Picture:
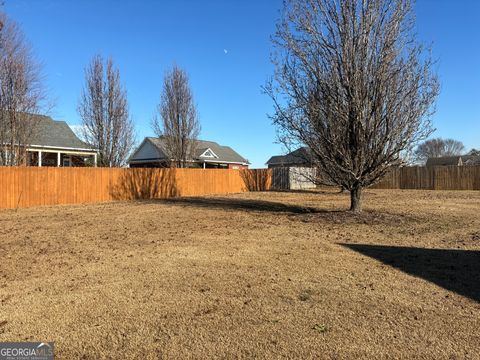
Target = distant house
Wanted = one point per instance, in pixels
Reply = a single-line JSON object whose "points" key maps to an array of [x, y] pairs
{"points": [[297, 158], [207, 155], [463, 160], [53, 143]]}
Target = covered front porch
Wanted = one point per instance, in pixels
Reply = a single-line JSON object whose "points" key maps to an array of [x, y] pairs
{"points": [[61, 158]]}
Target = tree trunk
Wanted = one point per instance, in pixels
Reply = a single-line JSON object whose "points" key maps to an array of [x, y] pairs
{"points": [[356, 199]]}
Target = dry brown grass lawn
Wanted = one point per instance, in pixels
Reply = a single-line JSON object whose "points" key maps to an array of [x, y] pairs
{"points": [[266, 275]]}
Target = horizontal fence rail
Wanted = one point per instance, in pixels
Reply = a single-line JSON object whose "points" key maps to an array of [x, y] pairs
{"points": [[432, 178], [33, 186]]}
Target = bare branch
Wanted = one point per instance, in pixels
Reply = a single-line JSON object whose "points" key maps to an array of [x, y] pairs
{"points": [[22, 93], [437, 147], [103, 107], [352, 84], [177, 119]]}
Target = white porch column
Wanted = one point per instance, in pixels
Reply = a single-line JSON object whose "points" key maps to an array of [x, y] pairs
{"points": [[58, 159], [40, 159], [95, 159], [204, 165]]}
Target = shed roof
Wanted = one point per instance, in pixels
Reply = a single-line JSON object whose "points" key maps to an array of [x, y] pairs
{"points": [[300, 156]]}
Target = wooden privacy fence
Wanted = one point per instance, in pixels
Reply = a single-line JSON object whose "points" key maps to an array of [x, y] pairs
{"points": [[293, 178], [432, 178], [34, 186]]}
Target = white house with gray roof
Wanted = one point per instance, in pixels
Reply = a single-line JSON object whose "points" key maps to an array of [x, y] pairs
{"points": [[207, 155], [53, 143]]}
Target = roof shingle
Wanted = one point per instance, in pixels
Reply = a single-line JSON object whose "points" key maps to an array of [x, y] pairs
{"points": [[52, 133], [224, 153], [301, 156], [453, 160]]}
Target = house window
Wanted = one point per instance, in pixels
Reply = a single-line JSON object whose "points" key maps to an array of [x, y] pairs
{"points": [[208, 154], [67, 162]]}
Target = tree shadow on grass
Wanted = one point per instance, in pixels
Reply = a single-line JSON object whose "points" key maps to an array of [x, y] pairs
{"points": [[242, 204], [144, 184], [318, 191], [454, 270], [256, 179], [304, 214], [292, 191]]}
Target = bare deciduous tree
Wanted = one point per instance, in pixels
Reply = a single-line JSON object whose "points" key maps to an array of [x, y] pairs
{"points": [[353, 85], [22, 93], [103, 107], [438, 147], [176, 119]]}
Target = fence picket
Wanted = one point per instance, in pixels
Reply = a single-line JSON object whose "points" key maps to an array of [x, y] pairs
{"points": [[32, 186], [432, 178]]}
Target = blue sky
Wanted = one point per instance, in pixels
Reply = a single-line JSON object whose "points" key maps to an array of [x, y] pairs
{"points": [[147, 37]]}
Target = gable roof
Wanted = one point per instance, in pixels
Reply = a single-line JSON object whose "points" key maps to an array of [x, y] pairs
{"points": [[471, 160], [301, 156], [203, 153], [453, 160], [443, 161], [51, 133], [223, 153]]}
